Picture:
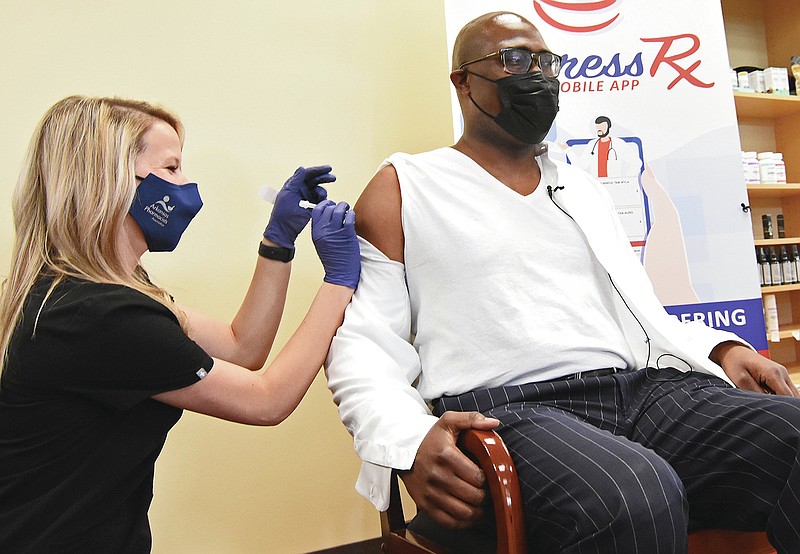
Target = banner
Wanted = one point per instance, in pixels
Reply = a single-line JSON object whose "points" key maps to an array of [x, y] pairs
{"points": [[646, 107]]}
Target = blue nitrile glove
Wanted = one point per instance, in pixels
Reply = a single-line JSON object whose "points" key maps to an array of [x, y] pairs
{"points": [[288, 219], [334, 234]]}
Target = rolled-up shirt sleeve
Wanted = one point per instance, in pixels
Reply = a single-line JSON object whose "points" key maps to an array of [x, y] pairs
{"points": [[371, 367]]}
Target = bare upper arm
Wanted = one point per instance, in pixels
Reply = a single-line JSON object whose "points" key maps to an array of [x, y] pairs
{"points": [[228, 392], [378, 210]]}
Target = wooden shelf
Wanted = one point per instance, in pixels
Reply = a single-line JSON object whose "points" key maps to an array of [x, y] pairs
{"points": [[779, 288], [777, 242], [765, 190], [750, 105], [787, 332]]}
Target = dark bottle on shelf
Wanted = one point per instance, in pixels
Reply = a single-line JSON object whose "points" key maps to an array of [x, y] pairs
{"points": [[766, 225], [787, 267], [763, 268], [775, 268], [796, 262]]}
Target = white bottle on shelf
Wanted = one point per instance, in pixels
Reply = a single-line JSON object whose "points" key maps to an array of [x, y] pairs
{"points": [[757, 80], [771, 318], [766, 167], [750, 168], [744, 81], [780, 168]]}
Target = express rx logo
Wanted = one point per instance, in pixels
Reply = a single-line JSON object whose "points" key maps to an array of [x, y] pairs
{"points": [[674, 55], [578, 17]]}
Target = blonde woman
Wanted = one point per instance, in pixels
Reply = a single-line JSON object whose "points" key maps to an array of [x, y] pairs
{"points": [[98, 362]]}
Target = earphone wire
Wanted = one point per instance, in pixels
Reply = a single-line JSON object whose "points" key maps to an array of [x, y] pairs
{"points": [[550, 191]]}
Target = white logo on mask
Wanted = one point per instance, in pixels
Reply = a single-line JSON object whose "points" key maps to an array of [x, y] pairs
{"points": [[160, 211]]}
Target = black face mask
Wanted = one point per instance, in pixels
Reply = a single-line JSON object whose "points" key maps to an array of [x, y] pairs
{"points": [[530, 105]]}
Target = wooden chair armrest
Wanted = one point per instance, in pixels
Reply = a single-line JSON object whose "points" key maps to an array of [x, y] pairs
{"points": [[491, 455], [493, 458]]}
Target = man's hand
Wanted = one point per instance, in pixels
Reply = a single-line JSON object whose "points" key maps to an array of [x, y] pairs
{"points": [[750, 370], [443, 482]]}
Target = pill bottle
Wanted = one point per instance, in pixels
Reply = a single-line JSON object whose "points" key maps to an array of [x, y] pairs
{"points": [[757, 80], [766, 167], [750, 168], [744, 81], [780, 168]]}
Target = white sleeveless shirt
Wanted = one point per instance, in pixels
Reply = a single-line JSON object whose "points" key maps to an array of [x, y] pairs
{"points": [[503, 287]]}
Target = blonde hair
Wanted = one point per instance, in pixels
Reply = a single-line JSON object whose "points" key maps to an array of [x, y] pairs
{"points": [[74, 192]]}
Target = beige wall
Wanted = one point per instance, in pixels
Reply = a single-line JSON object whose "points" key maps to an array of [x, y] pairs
{"points": [[262, 87]]}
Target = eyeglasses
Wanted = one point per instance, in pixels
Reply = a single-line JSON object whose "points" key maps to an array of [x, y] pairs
{"points": [[518, 60]]}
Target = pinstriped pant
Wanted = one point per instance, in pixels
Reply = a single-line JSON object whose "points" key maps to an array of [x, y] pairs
{"points": [[628, 462]]}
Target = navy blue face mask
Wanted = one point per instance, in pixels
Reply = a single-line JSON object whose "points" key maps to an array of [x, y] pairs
{"points": [[163, 210]]}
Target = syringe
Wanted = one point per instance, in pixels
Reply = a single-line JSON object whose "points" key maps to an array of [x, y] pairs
{"points": [[269, 194]]}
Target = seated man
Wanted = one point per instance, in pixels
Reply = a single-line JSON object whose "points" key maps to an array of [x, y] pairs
{"points": [[499, 288]]}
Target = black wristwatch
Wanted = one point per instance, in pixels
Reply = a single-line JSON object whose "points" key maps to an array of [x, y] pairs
{"points": [[280, 253]]}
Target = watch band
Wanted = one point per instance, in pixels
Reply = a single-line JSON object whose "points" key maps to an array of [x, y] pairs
{"points": [[280, 253]]}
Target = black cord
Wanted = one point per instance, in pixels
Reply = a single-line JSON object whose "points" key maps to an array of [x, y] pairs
{"points": [[681, 375], [646, 336], [550, 191]]}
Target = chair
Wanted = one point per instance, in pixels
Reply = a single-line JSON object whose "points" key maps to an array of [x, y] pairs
{"points": [[491, 455], [719, 541]]}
